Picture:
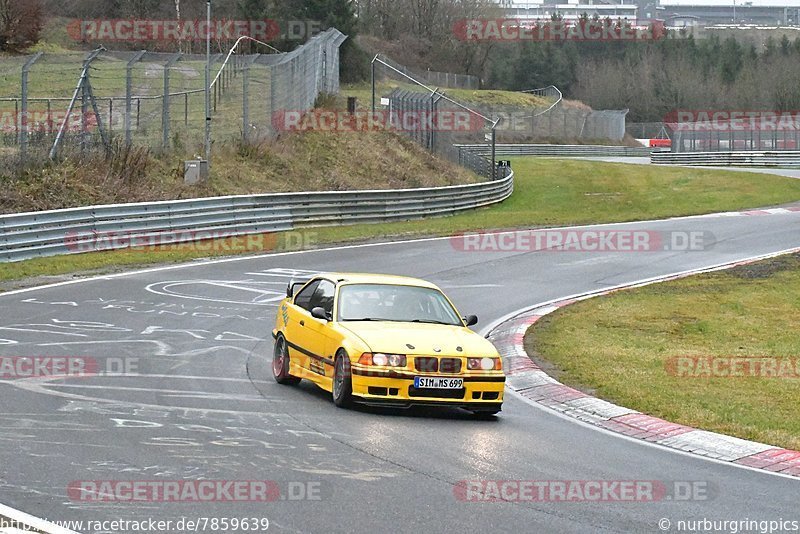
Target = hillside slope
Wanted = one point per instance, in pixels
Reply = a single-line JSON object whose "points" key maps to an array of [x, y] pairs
{"points": [[310, 161]]}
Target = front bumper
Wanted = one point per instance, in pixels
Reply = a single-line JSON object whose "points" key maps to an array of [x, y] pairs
{"points": [[396, 388]]}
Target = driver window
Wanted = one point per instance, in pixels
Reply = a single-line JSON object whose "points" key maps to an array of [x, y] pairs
{"points": [[303, 299], [323, 296]]}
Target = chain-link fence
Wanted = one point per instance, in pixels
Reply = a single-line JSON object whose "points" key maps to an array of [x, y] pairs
{"points": [[454, 81], [558, 123], [724, 136], [54, 104], [428, 77], [442, 122], [438, 124], [648, 130]]}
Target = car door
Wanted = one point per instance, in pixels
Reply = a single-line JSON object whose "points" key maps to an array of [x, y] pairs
{"points": [[318, 331], [296, 332]]}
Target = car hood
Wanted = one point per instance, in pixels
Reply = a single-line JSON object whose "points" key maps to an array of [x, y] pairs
{"points": [[425, 339]]}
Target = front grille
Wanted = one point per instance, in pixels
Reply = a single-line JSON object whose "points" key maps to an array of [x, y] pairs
{"points": [[450, 365], [426, 364], [440, 393]]}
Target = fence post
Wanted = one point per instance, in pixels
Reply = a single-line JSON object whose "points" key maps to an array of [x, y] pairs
{"points": [[84, 113], [246, 96], [494, 152], [271, 70], [165, 103], [23, 134], [129, 95]]}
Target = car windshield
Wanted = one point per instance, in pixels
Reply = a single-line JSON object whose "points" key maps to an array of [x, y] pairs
{"points": [[385, 302]]}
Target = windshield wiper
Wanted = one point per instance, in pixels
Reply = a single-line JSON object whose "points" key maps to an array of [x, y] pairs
{"points": [[432, 321]]}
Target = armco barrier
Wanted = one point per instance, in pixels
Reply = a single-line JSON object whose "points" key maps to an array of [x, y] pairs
{"points": [[748, 159], [48, 233], [558, 150]]}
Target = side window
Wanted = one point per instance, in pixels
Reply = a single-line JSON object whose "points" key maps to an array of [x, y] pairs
{"points": [[323, 296], [303, 299]]}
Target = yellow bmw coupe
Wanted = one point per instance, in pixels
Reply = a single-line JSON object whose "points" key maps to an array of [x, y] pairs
{"points": [[384, 341]]}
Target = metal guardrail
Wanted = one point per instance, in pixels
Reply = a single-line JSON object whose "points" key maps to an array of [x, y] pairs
{"points": [[558, 150], [779, 158], [48, 233]]}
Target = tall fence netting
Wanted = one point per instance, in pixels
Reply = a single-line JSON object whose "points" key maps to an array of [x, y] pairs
{"points": [[156, 99]]}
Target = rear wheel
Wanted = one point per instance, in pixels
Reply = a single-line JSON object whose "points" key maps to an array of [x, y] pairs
{"points": [[342, 384], [280, 363]]}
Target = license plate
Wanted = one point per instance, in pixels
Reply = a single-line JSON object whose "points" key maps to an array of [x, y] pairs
{"points": [[433, 382]]}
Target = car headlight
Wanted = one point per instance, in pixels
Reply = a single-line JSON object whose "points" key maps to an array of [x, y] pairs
{"points": [[484, 364], [383, 359]]}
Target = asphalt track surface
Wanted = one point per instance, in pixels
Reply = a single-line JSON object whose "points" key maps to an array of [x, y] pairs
{"points": [[204, 404]]}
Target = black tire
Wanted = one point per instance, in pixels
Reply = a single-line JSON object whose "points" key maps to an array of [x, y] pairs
{"points": [[280, 363], [342, 383]]}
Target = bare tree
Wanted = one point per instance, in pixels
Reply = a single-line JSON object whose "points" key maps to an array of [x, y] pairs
{"points": [[20, 24]]}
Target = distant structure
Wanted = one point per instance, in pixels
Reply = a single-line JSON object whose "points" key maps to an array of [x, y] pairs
{"points": [[738, 12], [545, 9], [675, 13]]}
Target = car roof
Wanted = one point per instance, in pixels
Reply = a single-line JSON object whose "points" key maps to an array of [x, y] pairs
{"points": [[371, 278]]}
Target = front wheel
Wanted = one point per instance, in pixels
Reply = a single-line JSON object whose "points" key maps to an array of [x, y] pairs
{"points": [[342, 384], [280, 363]]}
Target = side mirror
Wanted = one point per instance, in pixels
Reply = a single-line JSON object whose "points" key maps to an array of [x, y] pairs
{"points": [[471, 320], [320, 313]]}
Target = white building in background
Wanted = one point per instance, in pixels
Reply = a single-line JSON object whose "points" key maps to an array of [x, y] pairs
{"points": [[570, 10], [673, 12]]}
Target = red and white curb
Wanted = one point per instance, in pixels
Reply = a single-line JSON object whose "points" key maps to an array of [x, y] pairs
{"points": [[15, 522], [748, 213], [527, 379]]}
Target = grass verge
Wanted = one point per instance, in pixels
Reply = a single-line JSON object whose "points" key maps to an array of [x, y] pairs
{"points": [[548, 192], [626, 348], [483, 97]]}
